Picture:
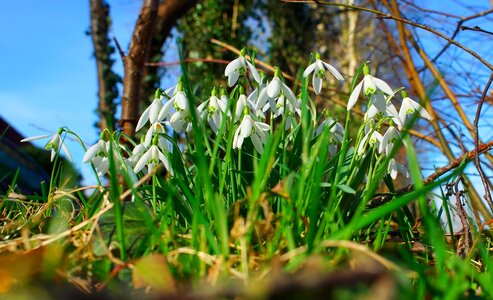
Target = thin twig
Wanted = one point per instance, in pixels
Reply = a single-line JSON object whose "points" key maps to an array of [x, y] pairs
{"points": [[476, 28], [380, 199], [383, 15], [120, 50], [476, 144], [187, 60]]}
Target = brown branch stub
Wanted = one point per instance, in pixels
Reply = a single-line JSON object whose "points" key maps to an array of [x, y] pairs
{"points": [[134, 64]]}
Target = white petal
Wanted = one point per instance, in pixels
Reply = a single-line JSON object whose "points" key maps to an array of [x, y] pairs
{"points": [[142, 161], [53, 153], [254, 72], [383, 86], [392, 169], [317, 83], [262, 126], [90, 153], [289, 95], [65, 149], [143, 119], [257, 143], [424, 114], [181, 101], [177, 122], [164, 112], [154, 110], [378, 99], [246, 126], [354, 96], [334, 71], [232, 78], [235, 138], [34, 138], [232, 66], [309, 69], [274, 87]]}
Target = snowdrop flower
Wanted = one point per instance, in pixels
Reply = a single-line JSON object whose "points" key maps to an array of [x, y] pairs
{"points": [[238, 67], [390, 111], [370, 85], [253, 129], [395, 167], [152, 158], [244, 101], [373, 137], [179, 101], [284, 107], [318, 68], [137, 153], [151, 113], [97, 150], [409, 107], [97, 154], [388, 139], [273, 91], [54, 144], [156, 129], [336, 129], [213, 109], [181, 120]]}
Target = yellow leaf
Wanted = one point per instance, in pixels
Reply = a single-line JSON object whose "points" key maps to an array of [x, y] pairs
{"points": [[153, 271]]}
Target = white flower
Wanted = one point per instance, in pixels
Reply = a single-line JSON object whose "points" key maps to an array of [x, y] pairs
{"points": [[395, 167], [137, 153], [179, 101], [243, 102], [388, 139], [151, 113], [238, 67], [253, 129], [336, 129], [54, 144], [373, 137], [159, 130], [409, 107], [181, 120], [151, 158], [318, 68], [390, 111], [370, 85], [273, 91], [213, 109], [100, 149], [284, 107]]}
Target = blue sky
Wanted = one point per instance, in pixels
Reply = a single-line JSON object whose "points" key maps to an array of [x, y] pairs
{"points": [[47, 72]]}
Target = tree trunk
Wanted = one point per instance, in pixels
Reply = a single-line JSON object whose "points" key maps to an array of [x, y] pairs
{"points": [[134, 64], [107, 79], [169, 13]]}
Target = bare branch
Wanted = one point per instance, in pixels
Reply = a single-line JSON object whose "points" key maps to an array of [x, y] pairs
{"points": [[476, 144]]}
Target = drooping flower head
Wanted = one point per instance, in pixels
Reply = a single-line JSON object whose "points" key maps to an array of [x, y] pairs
{"points": [[151, 113], [409, 107], [319, 68], [55, 143], [238, 67], [370, 86], [274, 90]]}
